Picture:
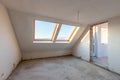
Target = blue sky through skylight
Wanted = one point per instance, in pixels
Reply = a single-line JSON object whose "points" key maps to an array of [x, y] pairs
{"points": [[44, 30], [65, 32]]}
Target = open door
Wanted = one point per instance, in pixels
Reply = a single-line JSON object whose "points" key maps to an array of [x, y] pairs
{"points": [[99, 45]]}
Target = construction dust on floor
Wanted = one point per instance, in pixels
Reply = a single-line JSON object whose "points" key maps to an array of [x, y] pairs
{"points": [[61, 68]]}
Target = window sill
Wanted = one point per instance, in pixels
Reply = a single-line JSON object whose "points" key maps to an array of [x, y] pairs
{"points": [[42, 41], [62, 42]]}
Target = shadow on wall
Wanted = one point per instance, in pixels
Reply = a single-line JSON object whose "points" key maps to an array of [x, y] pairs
{"points": [[82, 48]]}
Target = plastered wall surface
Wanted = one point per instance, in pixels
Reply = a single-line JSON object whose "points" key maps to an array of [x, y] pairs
{"points": [[114, 44], [23, 24], [82, 47], [9, 49], [45, 54]]}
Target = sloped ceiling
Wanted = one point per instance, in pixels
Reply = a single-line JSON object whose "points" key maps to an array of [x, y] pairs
{"points": [[23, 24], [90, 11], [75, 12]]}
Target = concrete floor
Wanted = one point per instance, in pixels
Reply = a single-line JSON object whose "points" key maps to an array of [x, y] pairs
{"points": [[61, 68], [101, 61]]}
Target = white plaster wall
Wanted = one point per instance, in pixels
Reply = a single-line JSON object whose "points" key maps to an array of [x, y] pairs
{"points": [[114, 44], [45, 54], [82, 47], [9, 50], [23, 24]]}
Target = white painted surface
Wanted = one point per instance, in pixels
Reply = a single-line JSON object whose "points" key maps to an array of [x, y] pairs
{"points": [[24, 25], [90, 11], [45, 54], [9, 50], [82, 47], [114, 44]]}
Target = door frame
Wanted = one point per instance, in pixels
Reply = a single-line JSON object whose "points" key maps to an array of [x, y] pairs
{"points": [[91, 39]]}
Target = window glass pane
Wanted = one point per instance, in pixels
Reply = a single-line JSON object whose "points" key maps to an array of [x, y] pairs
{"points": [[44, 30], [65, 32]]}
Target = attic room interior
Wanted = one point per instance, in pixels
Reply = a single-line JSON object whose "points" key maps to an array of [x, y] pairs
{"points": [[59, 40]]}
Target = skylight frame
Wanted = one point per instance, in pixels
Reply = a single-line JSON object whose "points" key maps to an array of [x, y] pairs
{"points": [[70, 36], [53, 34]]}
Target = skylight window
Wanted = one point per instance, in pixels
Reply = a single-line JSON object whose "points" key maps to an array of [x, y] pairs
{"points": [[44, 30], [65, 32], [48, 31]]}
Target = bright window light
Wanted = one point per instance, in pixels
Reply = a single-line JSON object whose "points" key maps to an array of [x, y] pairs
{"points": [[104, 35], [44, 30], [52, 32], [65, 32]]}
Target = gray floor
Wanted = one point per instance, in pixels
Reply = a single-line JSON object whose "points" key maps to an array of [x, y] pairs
{"points": [[61, 68], [101, 61]]}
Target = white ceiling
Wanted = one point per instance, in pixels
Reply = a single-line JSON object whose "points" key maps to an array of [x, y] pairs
{"points": [[90, 11]]}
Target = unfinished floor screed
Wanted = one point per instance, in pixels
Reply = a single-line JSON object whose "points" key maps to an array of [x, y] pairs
{"points": [[61, 68]]}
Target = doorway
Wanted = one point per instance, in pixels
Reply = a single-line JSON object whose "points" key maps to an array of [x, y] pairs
{"points": [[99, 45]]}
